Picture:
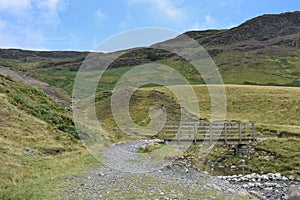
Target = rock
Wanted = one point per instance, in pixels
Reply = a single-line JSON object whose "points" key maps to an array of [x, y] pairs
{"points": [[268, 189], [251, 184], [243, 193], [284, 178], [248, 176], [215, 187], [158, 141], [259, 185], [242, 162], [230, 191], [293, 193], [277, 176], [264, 177], [291, 178], [257, 195], [100, 174], [270, 184]]}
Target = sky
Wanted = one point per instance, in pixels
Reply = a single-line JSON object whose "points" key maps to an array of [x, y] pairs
{"points": [[83, 25]]}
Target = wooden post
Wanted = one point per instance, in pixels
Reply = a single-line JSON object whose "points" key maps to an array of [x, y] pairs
{"points": [[178, 133], [240, 132], [163, 131], [253, 130], [210, 132], [195, 132], [225, 132]]}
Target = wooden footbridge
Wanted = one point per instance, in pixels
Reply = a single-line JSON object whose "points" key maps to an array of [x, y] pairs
{"points": [[224, 132]]}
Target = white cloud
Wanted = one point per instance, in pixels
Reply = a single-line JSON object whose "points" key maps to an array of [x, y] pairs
{"points": [[51, 9], [27, 10], [15, 7], [25, 38], [207, 23], [166, 7], [28, 17], [208, 19], [100, 15]]}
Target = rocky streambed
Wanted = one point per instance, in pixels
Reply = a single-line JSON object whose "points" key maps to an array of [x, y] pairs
{"points": [[267, 186], [176, 180]]}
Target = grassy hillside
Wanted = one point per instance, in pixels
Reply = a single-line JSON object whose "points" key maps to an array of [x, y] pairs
{"points": [[261, 51], [38, 135], [271, 107], [274, 109], [38, 144]]}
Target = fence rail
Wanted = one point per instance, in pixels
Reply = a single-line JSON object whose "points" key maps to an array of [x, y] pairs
{"points": [[203, 131]]}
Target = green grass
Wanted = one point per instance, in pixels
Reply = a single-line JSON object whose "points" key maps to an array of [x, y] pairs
{"points": [[36, 103], [277, 66], [273, 108], [271, 155], [38, 148], [35, 157], [263, 70], [285, 156]]}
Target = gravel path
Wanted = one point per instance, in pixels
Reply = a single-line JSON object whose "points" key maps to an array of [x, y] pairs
{"points": [[127, 175], [176, 180]]}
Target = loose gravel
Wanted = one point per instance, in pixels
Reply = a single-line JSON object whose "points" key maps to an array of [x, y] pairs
{"points": [[122, 178]]}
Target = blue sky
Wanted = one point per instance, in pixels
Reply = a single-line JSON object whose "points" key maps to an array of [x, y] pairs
{"points": [[82, 25]]}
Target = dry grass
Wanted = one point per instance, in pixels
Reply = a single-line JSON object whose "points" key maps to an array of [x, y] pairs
{"points": [[34, 156]]}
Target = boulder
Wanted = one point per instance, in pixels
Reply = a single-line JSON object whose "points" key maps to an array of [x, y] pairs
{"points": [[293, 193]]}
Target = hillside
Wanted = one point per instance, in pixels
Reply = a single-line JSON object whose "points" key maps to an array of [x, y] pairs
{"points": [[262, 51], [38, 142], [274, 109]]}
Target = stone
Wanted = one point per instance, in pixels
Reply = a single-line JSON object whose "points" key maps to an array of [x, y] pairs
{"points": [[242, 162], [230, 191], [257, 195], [215, 187], [284, 178], [258, 185], [291, 178], [100, 174], [270, 184], [277, 176], [264, 177], [248, 176], [251, 184], [158, 141], [243, 193], [293, 193]]}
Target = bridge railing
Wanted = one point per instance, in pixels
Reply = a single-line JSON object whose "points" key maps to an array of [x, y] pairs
{"points": [[227, 132]]}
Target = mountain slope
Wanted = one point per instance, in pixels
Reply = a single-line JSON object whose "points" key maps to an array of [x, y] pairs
{"points": [[38, 144], [285, 28], [263, 51]]}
